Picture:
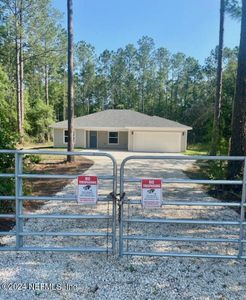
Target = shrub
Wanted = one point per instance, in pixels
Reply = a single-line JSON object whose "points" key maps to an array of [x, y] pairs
{"points": [[33, 158]]}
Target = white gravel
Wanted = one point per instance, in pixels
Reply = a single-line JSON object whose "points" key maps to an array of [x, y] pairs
{"points": [[96, 276]]}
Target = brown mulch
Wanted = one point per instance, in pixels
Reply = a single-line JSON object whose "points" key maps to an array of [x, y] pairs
{"points": [[47, 187]]}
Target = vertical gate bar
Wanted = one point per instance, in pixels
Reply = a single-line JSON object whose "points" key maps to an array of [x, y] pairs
{"points": [[114, 204], [18, 202], [242, 217], [121, 208]]}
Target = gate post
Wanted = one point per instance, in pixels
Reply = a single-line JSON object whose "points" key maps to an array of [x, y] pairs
{"points": [[18, 202]]}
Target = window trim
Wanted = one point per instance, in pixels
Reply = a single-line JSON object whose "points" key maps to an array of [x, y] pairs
{"points": [[74, 136], [118, 138]]}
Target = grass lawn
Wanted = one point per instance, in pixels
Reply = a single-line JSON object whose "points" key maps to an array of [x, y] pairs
{"points": [[49, 147], [195, 152], [35, 146], [197, 149]]}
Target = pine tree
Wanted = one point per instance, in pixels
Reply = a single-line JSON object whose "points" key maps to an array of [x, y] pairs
{"points": [[70, 145]]}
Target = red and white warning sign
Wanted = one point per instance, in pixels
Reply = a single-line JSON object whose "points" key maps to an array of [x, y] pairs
{"points": [[151, 193], [87, 189]]}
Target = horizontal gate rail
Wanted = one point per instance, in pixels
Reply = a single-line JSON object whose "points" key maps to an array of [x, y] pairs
{"points": [[7, 175], [43, 216], [7, 198], [43, 176], [183, 157], [191, 181], [108, 219], [180, 221], [65, 234], [59, 198], [181, 239], [66, 249], [186, 203], [239, 223], [7, 216], [177, 254], [7, 233]]}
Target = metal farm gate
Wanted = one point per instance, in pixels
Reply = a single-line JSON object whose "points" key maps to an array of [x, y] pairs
{"points": [[189, 223], [185, 225], [92, 229]]}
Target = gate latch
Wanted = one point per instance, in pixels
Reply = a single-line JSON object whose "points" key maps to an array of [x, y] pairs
{"points": [[119, 199], [113, 196]]}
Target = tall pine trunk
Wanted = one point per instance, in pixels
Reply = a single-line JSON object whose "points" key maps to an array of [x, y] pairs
{"points": [[21, 66], [64, 95], [22, 99], [88, 106], [70, 145], [46, 82], [18, 72], [22, 74], [46, 76], [18, 98], [238, 133], [217, 105]]}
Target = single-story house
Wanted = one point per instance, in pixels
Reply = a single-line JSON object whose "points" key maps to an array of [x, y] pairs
{"points": [[124, 130]]}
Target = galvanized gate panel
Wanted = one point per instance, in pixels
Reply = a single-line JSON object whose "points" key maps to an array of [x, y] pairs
{"points": [[143, 232], [136, 226], [103, 224]]}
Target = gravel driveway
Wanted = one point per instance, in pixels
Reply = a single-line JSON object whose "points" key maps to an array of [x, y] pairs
{"points": [[96, 276]]}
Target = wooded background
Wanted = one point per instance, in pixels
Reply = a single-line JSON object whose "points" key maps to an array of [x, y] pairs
{"points": [[33, 77]]}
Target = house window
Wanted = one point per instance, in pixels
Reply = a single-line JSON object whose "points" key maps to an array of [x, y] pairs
{"points": [[113, 137], [66, 136]]}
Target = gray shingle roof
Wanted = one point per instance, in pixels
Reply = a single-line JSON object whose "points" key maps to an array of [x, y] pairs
{"points": [[121, 118]]}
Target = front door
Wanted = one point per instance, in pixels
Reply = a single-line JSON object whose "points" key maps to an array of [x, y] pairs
{"points": [[93, 139]]}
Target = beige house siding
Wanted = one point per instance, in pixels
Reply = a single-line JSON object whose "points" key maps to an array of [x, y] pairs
{"points": [[132, 140], [184, 141], [102, 140], [80, 138], [59, 138], [87, 139]]}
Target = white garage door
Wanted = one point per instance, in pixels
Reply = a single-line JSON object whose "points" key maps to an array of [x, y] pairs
{"points": [[157, 141]]}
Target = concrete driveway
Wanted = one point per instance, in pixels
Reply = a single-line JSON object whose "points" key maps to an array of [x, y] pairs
{"points": [[139, 168], [121, 155], [159, 168]]}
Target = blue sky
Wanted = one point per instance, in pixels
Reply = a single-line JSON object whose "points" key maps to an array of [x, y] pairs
{"points": [[189, 26]]}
